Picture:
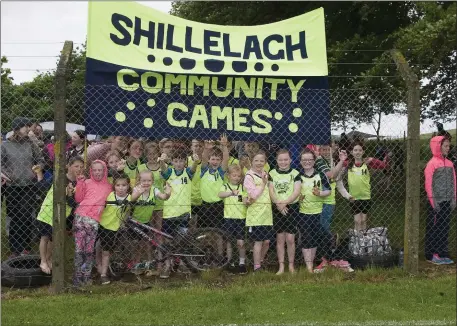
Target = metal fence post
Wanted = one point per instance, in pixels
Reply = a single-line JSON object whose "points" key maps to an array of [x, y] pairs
{"points": [[413, 172], [59, 200]]}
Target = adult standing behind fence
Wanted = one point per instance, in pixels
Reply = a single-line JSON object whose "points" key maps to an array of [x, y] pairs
{"points": [[19, 155]]}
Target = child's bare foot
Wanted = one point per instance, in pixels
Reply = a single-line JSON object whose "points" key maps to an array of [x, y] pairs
{"points": [[45, 268], [291, 268], [99, 269], [281, 269], [50, 264]]}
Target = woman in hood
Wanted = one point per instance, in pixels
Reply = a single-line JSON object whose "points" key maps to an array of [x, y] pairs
{"points": [[440, 185], [91, 195]]}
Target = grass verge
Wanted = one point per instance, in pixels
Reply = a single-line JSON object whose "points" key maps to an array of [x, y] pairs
{"points": [[369, 297]]}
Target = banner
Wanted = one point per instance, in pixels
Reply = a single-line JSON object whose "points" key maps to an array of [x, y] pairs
{"points": [[150, 74]]}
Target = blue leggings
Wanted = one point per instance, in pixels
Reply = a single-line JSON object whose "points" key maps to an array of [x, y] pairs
{"points": [[326, 216]]}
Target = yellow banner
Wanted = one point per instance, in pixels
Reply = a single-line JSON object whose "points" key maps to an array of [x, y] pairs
{"points": [[132, 35]]}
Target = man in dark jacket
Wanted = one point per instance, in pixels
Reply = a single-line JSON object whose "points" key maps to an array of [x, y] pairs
{"points": [[18, 156]]}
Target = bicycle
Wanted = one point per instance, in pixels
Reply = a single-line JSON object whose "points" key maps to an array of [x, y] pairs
{"points": [[198, 249]]}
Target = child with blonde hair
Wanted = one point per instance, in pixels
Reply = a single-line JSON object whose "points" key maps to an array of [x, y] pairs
{"points": [[259, 216], [235, 200]]}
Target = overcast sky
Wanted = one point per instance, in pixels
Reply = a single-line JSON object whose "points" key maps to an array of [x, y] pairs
{"points": [[47, 25], [38, 29]]}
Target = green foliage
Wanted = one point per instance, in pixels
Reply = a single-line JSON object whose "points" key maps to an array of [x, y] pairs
{"points": [[6, 72], [35, 99], [424, 31]]}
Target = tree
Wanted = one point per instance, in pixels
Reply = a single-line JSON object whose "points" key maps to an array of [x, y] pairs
{"points": [[428, 44], [431, 41], [6, 72], [424, 31], [35, 99], [351, 28]]}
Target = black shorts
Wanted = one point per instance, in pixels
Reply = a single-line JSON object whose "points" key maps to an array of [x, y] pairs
{"points": [[211, 215], [45, 230], [286, 223], [360, 206], [176, 224], [310, 229], [108, 239], [261, 232], [235, 228], [195, 210]]}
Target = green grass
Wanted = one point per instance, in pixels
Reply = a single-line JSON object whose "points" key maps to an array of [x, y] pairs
{"points": [[318, 299], [429, 135]]}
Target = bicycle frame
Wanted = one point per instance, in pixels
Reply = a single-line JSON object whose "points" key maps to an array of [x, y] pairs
{"points": [[137, 228]]}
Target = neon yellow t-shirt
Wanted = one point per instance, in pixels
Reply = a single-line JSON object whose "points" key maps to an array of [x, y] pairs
{"points": [[46, 212], [179, 202], [284, 182], [312, 204], [259, 212], [115, 212], [196, 197], [331, 198], [143, 207], [233, 205], [359, 182], [211, 182], [159, 183], [132, 172]]}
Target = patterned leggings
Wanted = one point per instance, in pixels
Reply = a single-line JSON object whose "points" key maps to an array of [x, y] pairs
{"points": [[85, 233]]}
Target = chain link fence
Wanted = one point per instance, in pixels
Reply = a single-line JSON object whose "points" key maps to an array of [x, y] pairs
{"points": [[158, 207]]}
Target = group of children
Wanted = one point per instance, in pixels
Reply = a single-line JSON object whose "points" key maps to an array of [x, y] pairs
{"points": [[171, 191]]}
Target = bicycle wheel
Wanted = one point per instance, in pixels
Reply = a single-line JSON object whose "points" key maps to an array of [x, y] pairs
{"points": [[206, 250]]}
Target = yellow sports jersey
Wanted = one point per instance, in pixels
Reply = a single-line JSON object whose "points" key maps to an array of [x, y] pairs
{"points": [[143, 208], [283, 182], [47, 210], [312, 204], [132, 172], [233, 205], [115, 212], [211, 182], [179, 202], [196, 197], [159, 183], [233, 161], [331, 198], [359, 182], [259, 212]]}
